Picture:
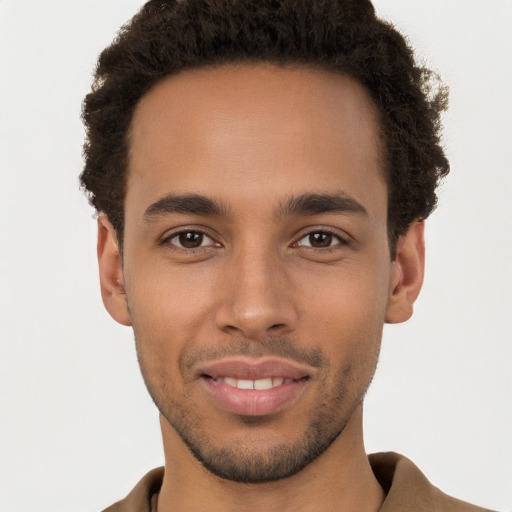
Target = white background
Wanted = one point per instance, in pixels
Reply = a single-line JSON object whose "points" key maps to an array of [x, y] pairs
{"points": [[77, 428]]}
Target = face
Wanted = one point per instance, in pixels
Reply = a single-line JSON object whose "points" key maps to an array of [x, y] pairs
{"points": [[256, 269]]}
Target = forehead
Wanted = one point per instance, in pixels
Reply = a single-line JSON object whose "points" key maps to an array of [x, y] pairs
{"points": [[253, 131]]}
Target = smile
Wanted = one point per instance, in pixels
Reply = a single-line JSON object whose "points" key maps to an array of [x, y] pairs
{"points": [[251, 387], [260, 384]]}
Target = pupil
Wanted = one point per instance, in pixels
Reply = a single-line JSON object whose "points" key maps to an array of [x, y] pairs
{"points": [[191, 239], [320, 239]]}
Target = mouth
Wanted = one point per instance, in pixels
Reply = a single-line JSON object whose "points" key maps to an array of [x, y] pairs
{"points": [[258, 384], [254, 388]]}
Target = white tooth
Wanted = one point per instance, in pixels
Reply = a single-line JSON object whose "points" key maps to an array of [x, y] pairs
{"points": [[277, 381], [245, 384], [287, 380], [263, 383], [230, 381]]}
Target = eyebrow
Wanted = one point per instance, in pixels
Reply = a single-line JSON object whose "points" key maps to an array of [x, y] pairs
{"points": [[314, 204], [194, 204], [305, 204]]}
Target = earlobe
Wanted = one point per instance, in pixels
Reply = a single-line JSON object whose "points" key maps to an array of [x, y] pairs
{"points": [[407, 274], [111, 272]]}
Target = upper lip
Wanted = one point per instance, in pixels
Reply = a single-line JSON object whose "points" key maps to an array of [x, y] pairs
{"points": [[254, 369]]}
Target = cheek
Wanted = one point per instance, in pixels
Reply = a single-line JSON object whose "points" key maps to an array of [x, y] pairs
{"points": [[167, 314], [161, 299], [352, 292], [347, 312]]}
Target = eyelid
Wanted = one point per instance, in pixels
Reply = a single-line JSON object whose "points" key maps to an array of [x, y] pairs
{"points": [[173, 233], [343, 237]]}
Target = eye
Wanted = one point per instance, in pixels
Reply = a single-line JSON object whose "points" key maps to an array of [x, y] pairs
{"points": [[190, 240], [320, 240]]}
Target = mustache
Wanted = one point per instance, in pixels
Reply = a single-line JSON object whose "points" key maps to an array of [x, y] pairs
{"points": [[270, 346]]}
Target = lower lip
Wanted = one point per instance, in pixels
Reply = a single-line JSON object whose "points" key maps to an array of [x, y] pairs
{"points": [[253, 402]]}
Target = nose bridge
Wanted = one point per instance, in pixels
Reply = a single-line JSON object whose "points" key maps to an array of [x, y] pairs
{"points": [[257, 297]]}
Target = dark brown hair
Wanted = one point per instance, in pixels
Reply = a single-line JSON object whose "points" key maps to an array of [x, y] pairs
{"points": [[343, 36]]}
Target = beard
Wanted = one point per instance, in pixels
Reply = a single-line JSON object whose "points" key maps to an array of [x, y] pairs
{"points": [[248, 458]]}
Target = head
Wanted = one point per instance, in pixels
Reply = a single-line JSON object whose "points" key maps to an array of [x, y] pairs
{"points": [[341, 36], [255, 165]]}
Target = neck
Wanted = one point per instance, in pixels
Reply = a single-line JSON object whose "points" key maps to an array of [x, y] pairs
{"points": [[339, 479]]}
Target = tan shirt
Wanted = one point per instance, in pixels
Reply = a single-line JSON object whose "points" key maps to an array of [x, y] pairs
{"points": [[406, 487]]}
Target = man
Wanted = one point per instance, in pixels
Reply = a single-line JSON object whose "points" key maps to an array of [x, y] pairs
{"points": [[262, 172]]}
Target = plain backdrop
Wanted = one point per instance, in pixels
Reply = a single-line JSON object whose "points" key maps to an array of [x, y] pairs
{"points": [[77, 427]]}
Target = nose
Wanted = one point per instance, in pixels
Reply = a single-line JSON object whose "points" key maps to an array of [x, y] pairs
{"points": [[257, 297]]}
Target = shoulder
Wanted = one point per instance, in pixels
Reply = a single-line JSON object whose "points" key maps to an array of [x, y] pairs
{"points": [[139, 499], [408, 489]]}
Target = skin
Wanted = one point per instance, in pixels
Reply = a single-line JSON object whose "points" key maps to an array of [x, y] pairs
{"points": [[251, 138]]}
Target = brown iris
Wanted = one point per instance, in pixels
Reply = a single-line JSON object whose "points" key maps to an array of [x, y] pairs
{"points": [[191, 239], [320, 239]]}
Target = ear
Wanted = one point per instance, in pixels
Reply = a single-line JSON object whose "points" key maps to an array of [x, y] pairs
{"points": [[111, 272], [406, 274]]}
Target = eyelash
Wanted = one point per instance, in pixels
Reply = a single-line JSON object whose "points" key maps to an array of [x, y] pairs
{"points": [[176, 247], [341, 241]]}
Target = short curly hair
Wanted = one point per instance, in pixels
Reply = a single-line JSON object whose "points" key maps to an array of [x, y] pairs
{"points": [[341, 36]]}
